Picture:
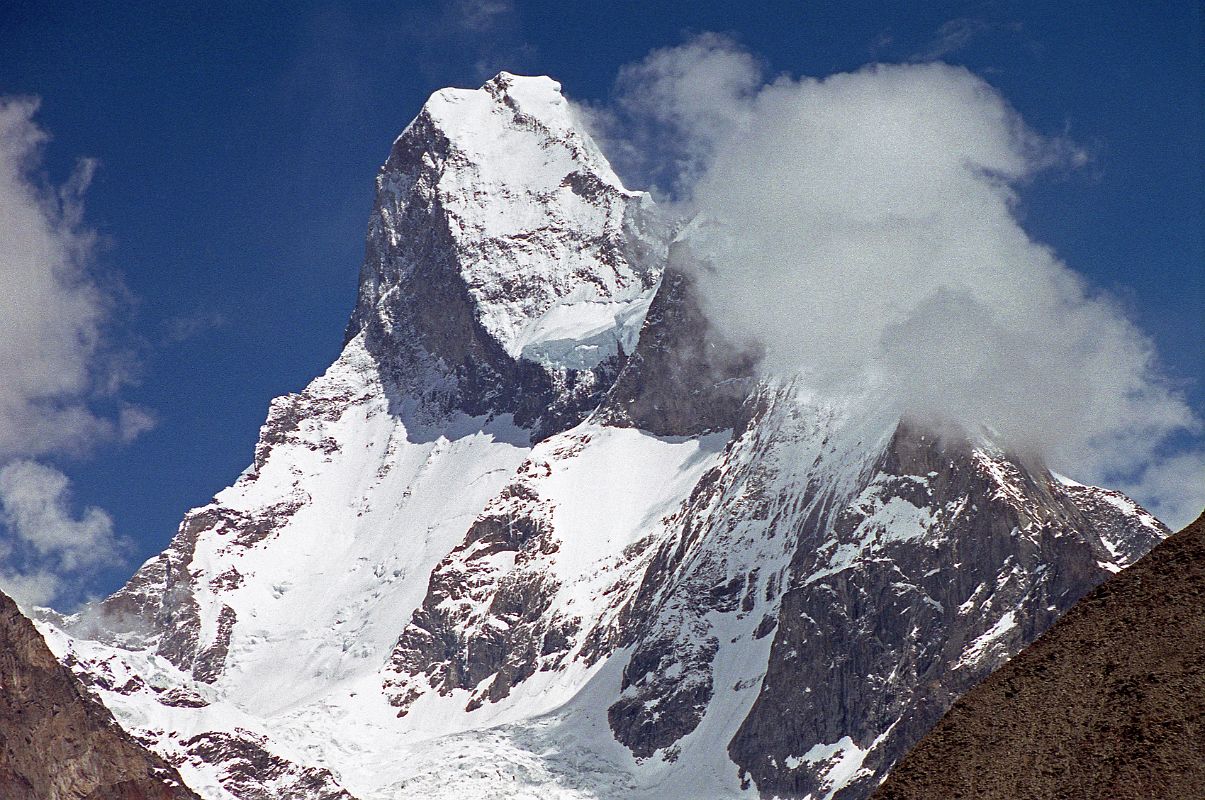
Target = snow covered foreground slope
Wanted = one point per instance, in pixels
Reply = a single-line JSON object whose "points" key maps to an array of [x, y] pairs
{"points": [[536, 534]]}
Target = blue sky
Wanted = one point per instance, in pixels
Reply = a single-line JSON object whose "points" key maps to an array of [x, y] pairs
{"points": [[237, 145]]}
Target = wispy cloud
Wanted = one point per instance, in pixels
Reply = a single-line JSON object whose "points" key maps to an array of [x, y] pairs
{"points": [[952, 37], [182, 327], [490, 32], [481, 16], [474, 39], [57, 366], [958, 34]]}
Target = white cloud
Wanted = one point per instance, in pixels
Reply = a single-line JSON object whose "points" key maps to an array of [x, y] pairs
{"points": [[59, 546], [52, 353], [863, 230], [56, 367], [673, 108]]}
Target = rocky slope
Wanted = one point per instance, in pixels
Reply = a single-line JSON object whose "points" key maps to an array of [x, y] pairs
{"points": [[1107, 704], [539, 532], [57, 741]]}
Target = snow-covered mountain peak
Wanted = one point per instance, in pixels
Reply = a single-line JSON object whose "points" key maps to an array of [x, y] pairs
{"points": [[497, 208], [538, 532], [485, 123]]}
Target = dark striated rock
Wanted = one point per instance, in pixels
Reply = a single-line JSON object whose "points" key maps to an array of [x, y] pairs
{"points": [[653, 713], [1109, 704], [249, 771], [873, 652], [884, 587], [57, 742], [1112, 515], [682, 379]]}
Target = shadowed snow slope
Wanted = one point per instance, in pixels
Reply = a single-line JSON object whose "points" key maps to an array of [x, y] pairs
{"points": [[536, 534]]}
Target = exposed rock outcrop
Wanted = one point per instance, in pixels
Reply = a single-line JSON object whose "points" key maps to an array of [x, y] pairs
{"points": [[57, 741], [1109, 704], [683, 378]]}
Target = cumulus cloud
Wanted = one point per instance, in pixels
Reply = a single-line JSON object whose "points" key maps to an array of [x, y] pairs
{"points": [[56, 366], [863, 229], [56, 547]]}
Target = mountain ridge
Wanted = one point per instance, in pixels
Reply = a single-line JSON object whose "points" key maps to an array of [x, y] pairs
{"points": [[57, 741]]}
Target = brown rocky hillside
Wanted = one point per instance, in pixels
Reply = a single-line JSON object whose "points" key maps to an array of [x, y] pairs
{"points": [[1109, 704], [57, 742]]}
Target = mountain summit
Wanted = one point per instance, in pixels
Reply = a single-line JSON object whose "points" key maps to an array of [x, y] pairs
{"points": [[507, 269], [536, 532]]}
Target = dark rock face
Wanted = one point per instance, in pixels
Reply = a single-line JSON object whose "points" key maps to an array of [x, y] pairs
{"points": [[1112, 515], [250, 772], [653, 713], [682, 379], [57, 742], [893, 640], [885, 593], [668, 683], [1107, 704]]}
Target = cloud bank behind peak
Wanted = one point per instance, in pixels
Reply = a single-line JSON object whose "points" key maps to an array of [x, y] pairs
{"points": [[863, 229]]}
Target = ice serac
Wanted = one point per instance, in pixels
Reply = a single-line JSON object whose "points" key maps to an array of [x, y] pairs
{"points": [[541, 531]]}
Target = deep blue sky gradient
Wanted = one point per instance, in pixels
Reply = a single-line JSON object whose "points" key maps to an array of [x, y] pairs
{"points": [[238, 145]]}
